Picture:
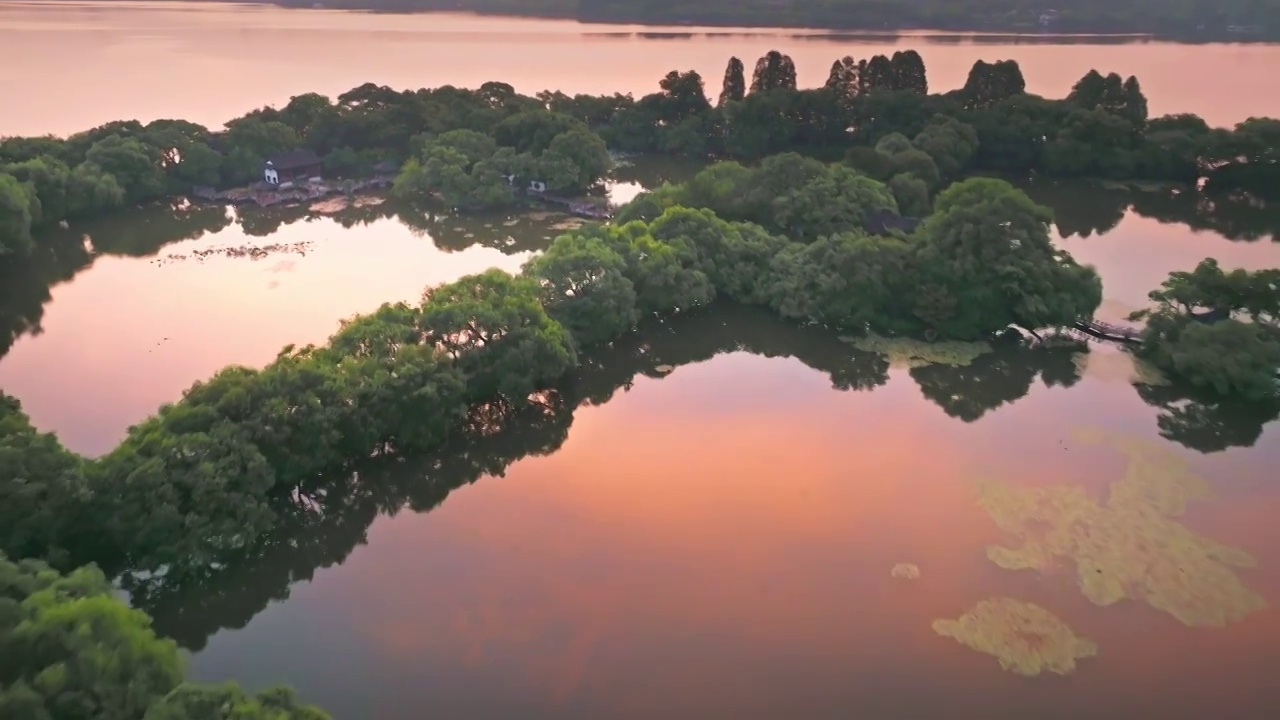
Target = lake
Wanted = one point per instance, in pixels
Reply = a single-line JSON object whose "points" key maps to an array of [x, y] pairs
{"points": [[208, 62], [705, 522]]}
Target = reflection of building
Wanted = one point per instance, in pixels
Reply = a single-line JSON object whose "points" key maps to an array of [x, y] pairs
{"points": [[290, 167]]}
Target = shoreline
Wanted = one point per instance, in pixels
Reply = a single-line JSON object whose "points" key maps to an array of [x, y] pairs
{"points": [[1048, 34]]}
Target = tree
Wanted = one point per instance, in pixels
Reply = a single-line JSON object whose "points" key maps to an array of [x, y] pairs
{"points": [[588, 153], [877, 75], [91, 190], [989, 83], [683, 97], [72, 651], [844, 79], [494, 327], [1217, 330], [41, 488], [950, 143], [584, 287], [48, 178], [846, 280], [986, 261], [908, 72], [1231, 357], [532, 131], [15, 216], [774, 71], [177, 500], [229, 702], [734, 88], [911, 194], [666, 277]]}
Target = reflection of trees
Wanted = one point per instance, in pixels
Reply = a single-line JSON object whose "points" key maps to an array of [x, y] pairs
{"points": [[1086, 209], [322, 528], [510, 233], [143, 232], [60, 254], [650, 172], [993, 379], [25, 285], [1232, 217], [1205, 423], [1081, 209]]}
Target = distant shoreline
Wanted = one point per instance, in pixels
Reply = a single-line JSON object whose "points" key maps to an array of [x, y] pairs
{"points": [[1020, 29]]}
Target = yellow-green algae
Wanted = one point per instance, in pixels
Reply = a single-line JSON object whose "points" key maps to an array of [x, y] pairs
{"points": [[1024, 637], [909, 353], [1131, 546], [905, 571]]}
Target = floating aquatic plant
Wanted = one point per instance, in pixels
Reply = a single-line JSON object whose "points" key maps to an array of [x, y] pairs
{"points": [[905, 571], [906, 352], [1157, 476], [1024, 637], [1130, 547]]}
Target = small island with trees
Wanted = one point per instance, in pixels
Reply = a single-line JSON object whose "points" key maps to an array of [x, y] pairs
{"points": [[866, 207]]}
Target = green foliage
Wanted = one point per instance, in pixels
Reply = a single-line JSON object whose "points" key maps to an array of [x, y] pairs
{"points": [[71, 651], [472, 170], [229, 702], [498, 334], [18, 206], [134, 164], [585, 288], [1217, 330], [986, 261], [41, 485], [911, 194]]}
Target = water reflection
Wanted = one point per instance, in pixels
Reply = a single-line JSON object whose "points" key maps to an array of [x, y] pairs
{"points": [[717, 544], [1087, 209], [317, 532]]}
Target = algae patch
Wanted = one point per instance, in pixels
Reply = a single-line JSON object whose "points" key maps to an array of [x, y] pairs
{"points": [[1131, 546], [905, 571], [1024, 637], [906, 352]]}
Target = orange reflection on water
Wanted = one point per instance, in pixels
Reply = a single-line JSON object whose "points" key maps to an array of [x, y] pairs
{"points": [[129, 334], [682, 557]]}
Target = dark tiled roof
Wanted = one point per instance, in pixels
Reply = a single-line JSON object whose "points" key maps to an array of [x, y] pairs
{"points": [[294, 159]]}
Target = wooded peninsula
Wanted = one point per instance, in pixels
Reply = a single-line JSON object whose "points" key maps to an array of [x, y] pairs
{"points": [[858, 207]]}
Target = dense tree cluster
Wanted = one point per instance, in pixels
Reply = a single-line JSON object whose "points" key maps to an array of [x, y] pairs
{"points": [[203, 478], [72, 651], [473, 147], [1217, 329], [474, 170], [46, 180], [1100, 130]]}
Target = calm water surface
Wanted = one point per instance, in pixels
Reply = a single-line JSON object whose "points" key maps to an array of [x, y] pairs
{"points": [[713, 542], [208, 62]]}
